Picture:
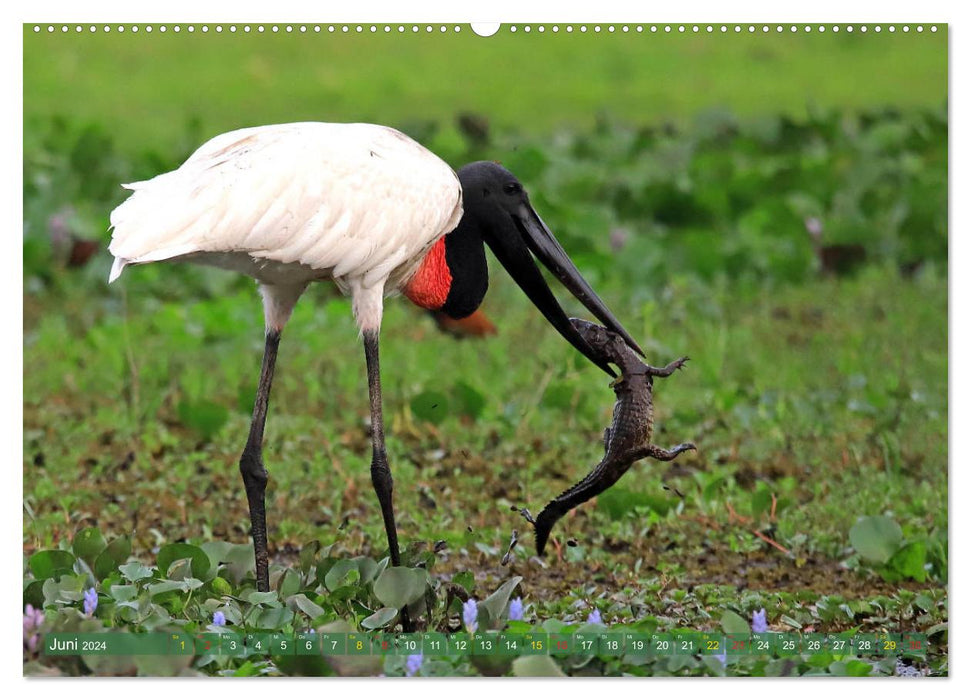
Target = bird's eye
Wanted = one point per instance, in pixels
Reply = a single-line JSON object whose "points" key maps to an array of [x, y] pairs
{"points": [[512, 188]]}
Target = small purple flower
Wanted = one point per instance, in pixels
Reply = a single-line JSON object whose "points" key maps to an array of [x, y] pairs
{"points": [[759, 623], [905, 670], [219, 618], [90, 602], [516, 609], [723, 657], [470, 615], [413, 664], [33, 619], [594, 618]]}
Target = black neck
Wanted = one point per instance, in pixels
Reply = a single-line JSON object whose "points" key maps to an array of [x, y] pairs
{"points": [[466, 259]]}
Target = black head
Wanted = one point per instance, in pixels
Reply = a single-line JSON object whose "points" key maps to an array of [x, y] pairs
{"points": [[496, 204], [489, 191]]}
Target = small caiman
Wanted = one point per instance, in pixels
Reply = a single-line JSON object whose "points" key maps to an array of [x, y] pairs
{"points": [[628, 439]]}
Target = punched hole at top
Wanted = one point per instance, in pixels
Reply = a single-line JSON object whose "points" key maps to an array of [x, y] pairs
{"points": [[485, 28]]}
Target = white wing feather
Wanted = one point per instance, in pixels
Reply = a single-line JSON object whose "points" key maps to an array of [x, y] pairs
{"points": [[342, 200]]}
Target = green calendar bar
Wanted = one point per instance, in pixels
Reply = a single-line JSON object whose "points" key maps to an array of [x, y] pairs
{"points": [[864, 644], [333, 643], [232, 644], [308, 644], [913, 644], [787, 644], [181, 643], [208, 643], [409, 644], [459, 644], [511, 644], [358, 644], [738, 644], [713, 644], [586, 643], [282, 644], [562, 644], [433, 644], [888, 644], [839, 644], [611, 643], [637, 644], [258, 643], [105, 644], [536, 644], [813, 643], [688, 643], [384, 643], [485, 643], [762, 642], [662, 643]]}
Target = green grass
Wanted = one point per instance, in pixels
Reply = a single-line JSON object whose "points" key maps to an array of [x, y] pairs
{"points": [[804, 393], [806, 384], [145, 88]]}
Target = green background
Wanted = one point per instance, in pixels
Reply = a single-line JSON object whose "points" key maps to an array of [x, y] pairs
{"points": [[146, 86]]}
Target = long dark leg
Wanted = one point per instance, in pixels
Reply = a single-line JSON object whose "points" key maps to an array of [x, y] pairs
{"points": [[251, 463], [380, 471]]}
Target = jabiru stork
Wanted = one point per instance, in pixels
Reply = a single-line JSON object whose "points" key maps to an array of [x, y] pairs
{"points": [[362, 205]]}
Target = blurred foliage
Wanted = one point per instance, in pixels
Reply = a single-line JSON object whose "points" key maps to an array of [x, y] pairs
{"points": [[771, 199], [143, 86]]}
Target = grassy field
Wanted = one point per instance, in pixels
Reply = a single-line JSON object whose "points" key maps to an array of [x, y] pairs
{"points": [[684, 175], [805, 394], [145, 88]]}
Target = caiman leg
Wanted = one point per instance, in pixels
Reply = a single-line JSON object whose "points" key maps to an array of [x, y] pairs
{"points": [[668, 370], [659, 453]]}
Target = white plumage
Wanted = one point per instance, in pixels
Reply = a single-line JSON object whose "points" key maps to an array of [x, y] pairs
{"points": [[291, 203]]}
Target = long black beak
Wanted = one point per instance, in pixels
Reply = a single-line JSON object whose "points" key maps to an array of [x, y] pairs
{"points": [[513, 252], [544, 245]]}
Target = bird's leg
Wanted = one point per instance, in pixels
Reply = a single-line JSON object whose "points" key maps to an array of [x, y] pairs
{"points": [[380, 471], [251, 463]]}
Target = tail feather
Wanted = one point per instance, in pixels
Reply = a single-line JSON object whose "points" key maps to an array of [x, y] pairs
{"points": [[116, 269]]}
